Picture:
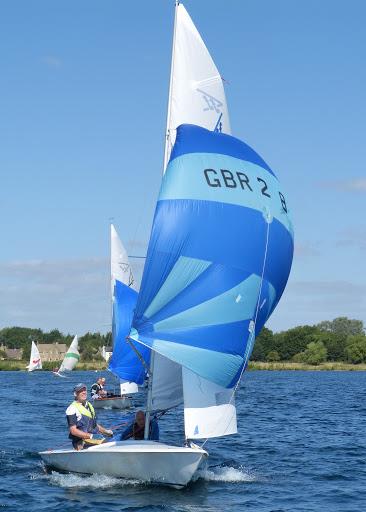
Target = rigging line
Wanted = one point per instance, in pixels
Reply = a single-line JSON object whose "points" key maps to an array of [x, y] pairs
{"points": [[142, 360], [252, 334]]}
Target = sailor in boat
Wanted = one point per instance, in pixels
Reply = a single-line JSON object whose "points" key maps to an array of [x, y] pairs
{"points": [[97, 390], [82, 420], [137, 428], [105, 391]]}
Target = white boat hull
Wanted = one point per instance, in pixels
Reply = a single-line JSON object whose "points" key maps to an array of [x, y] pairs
{"points": [[112, 403], [145, 461], [57, 374]]}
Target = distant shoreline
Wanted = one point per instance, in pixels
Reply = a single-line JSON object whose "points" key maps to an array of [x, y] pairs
{"points": [[253, 366], [289, 365], [7, 365]]}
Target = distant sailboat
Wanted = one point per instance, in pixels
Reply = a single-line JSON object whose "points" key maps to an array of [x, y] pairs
{"points": [[218, 260], [124, 363], [35, 362], [71, 358]]}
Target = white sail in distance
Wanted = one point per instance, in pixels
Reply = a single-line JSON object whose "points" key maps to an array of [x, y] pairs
{"points": [[35, 362], [196, 93], [72, 357], [120, 265], [121, 271]]}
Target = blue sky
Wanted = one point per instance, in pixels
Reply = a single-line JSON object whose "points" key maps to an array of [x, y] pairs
{"points": [[84, 89]]}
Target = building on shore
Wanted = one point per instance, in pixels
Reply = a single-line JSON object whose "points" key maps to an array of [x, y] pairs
{"points": [[52, 351], [15, 354], [106, 353]]}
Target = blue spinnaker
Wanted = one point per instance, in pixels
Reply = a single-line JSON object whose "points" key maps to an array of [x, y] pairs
{"points": [[124, 362], [219, 256]]}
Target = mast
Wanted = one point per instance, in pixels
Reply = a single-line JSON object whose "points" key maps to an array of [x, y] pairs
{"points": [[167, 132], [111, 278], [166, 158], [149, 397]]}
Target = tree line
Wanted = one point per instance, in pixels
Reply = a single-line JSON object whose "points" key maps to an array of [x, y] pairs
{"points": [[341, 339], [22, 337]]}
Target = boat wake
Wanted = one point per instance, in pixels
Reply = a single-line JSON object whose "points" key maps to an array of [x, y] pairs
{"points": [[226, 474], [72, 481]]}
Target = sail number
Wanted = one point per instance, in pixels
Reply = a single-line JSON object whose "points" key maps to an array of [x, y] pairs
{"points": [[238, 179]]}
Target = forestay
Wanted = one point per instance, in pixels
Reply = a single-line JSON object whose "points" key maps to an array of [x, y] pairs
{"points": [[196, 92], [218, 260]]}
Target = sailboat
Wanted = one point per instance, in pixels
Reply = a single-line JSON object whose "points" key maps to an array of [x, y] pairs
{"points": [[218, 260], [124, 363], [70, 360], [35, 362]]}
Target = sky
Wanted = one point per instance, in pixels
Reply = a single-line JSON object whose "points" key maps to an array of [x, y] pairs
{"points": [[83, 100]]}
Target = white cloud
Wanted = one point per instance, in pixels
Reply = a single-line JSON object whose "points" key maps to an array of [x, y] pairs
{"points": [[52, 62], [353, 237], [70, 295], [74, 296], [352, 185], [305, 250], [310, 302]]}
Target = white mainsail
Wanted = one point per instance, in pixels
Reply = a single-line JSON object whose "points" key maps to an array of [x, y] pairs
{"points": [[35, 362], [71, 358], [121, 271], [196, 93], [209, 409], [120, 265], [167, 384], [196, 96]]}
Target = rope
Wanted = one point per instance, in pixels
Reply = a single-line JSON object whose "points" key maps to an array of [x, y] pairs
{"points": [[252, 334], [119, 425], [138, 354]]}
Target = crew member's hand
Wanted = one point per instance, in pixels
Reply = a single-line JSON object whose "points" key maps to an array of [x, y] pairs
{"points": [[108, 432]]}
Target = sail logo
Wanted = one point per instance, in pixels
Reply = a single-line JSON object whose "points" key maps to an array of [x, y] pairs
{"points": [[218, 126], [211, 102], [238, 179], [125, 267]]}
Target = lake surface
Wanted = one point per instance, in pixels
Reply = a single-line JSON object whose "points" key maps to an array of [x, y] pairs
{"points": [[301, 446]]}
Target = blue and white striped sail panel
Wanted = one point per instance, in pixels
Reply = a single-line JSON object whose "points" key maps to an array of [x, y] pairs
{"points": [[219, 256], [124, 362]]}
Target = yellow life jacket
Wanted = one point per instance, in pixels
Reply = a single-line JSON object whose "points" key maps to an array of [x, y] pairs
{"points": [[89, 412]]}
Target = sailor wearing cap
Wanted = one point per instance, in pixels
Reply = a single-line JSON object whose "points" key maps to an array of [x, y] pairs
{"points": [[82, 420]]}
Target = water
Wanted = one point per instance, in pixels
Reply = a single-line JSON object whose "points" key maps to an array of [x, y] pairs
{"points": [[301, 447]]}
